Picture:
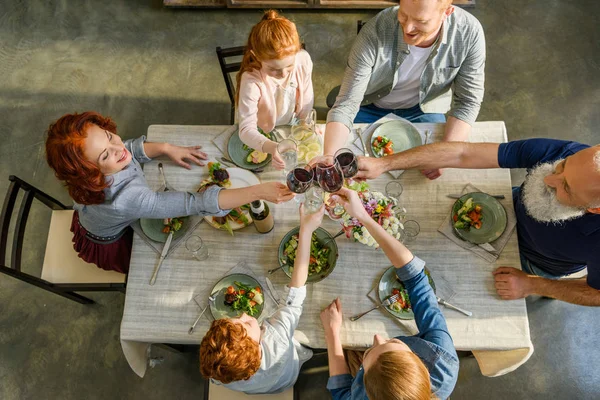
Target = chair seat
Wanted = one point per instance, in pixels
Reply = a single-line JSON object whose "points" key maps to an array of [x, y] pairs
{"points": [[62, 263], [218, 392]]}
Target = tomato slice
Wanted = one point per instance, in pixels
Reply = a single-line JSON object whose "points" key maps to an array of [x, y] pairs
{"points": [[230, 290], [257, 289]]}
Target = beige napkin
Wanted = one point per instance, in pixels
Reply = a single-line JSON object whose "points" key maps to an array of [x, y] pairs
{"points": [[221, 140], [366, 135], [192, 222], [202, 294], [488, 251]]}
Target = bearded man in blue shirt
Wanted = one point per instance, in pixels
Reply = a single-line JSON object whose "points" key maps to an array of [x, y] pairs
{"points": [[557, 209]]}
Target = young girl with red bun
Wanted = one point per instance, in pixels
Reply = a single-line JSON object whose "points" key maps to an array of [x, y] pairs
{"points": [[104, 177], [274, 82]]}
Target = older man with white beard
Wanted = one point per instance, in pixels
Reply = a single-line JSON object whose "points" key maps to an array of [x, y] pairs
{"points": [[557, 209]]}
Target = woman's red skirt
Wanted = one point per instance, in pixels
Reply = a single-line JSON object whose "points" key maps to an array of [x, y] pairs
{"points": [[111, 255]]}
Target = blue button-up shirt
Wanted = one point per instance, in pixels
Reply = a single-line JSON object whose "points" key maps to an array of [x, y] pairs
{"points": [[433, 344], [129, 198]]}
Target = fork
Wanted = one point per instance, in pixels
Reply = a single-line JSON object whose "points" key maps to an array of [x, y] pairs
{"points": [[211, 299], [387, 302]]}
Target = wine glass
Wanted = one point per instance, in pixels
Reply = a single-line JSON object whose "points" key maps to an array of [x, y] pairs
{"points": [[328, 173], [288, 150], [300, 179], [348, 163]]}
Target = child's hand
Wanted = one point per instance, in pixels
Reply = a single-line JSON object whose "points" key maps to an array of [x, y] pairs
{"points": [[331, 318], [351, 202], [310, 222], [275, 192], [271, 148], [180, 154]]}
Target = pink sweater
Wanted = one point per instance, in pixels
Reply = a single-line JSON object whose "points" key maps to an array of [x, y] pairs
{"points": [[256, 107]]}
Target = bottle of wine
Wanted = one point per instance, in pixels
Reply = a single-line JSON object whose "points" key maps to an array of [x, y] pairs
{"points": [[263, 219]]}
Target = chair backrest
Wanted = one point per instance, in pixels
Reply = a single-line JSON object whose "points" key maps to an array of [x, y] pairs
{"points": [[30, 193], [359, 25]]}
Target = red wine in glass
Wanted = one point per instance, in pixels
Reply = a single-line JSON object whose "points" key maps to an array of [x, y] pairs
{"points": [[299, 179], [347, 162], [330, 177]]}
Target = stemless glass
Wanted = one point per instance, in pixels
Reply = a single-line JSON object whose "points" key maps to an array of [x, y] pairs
{"points": [[347, 161], [313, 199], [410, 232], [288, 150], [196, 246], [329, 174], [394, 189]]}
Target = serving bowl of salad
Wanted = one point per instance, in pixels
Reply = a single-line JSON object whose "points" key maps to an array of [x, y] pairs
{"points": [[323, 254]]}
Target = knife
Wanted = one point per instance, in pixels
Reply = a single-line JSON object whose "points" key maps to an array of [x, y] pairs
{"points": [[362, 141], [458, 196], [162, 257], [272, 291], [448, 305]]}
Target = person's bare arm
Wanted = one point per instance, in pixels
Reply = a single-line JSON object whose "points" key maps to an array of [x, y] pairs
{"points": [[431, 156], [456, 130], [336, 135], [275, 192]]}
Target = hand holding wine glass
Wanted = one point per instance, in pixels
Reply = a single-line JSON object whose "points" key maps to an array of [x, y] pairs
{"points": [[328, 173]]}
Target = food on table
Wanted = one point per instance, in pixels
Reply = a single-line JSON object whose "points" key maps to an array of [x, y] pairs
{"points": [[216, 176], [383, 146], [256, 157], [403, 302], [172, 224], [243, 298], [237, 216], [319, 255], [468, 215]]}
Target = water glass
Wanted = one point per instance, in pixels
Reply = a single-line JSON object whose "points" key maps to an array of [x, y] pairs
{"points": [[196, 246], [394, 189], [313, 199], [410, 232], [288, 150]]}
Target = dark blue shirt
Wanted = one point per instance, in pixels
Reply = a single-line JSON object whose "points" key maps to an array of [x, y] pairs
{"points": [[559, 249], [433, 344]]}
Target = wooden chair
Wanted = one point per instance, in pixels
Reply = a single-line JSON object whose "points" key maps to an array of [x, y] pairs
{"points": [[333, 93], [231, 67], [63, 272], [218, 392]]}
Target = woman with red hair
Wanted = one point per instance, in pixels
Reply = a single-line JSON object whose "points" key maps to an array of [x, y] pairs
{"points": [[104, 177], [274, 82]]}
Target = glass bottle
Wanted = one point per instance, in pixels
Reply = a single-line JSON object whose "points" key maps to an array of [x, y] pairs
{"points": [[263, 219]]}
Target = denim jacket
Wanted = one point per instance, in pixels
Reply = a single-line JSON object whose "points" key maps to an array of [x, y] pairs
{"points": [[433, 344]]}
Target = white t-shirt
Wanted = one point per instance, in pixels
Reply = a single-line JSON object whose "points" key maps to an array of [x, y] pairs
{"points": [[406, 92]]}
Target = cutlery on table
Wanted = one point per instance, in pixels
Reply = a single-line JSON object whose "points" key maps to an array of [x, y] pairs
{"points": [[448, 305], [162, 258], [272, 291], [163, 177], [362, 141], [211, 299], [340, 233], [275, 269], [458, 196], [427, 133], [387, 302]]}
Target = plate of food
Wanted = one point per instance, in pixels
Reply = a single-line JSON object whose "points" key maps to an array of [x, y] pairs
{"points": [[232, 178], [478, 218], [393, 137], [244, 156], [389, 285], [159, 229], [323, 254], [237, 294]]}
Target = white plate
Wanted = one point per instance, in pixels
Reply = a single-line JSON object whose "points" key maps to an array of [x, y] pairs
{"points": [[239, 178]]}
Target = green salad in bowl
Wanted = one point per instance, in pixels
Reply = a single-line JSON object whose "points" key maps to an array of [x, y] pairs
{"points": [[323, 254]]}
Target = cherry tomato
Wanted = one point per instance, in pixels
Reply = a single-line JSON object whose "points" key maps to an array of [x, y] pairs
{"points": [[250, 295], [252, 303], [312, 260], [395, 291], [242, 291], [166, 229], [257, 289], [230, 290], [455, 218]]}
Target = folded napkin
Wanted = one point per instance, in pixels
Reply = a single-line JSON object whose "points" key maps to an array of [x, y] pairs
{"points": [[222, 140], [366, 135], [192, 222], [443, 289], [488, 251], [204, 292]]}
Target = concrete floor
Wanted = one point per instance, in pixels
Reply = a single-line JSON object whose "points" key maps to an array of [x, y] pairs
{"points": [[143, 64]]}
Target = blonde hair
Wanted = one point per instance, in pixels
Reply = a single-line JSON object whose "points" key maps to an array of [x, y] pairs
{"points": [[273, 38], [398, 375]]}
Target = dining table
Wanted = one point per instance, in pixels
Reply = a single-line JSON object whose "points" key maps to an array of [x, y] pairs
{"points": [[497, 333]]}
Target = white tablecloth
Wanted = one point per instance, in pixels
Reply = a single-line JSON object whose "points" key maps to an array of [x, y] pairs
{"points": [[497, 333]]}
